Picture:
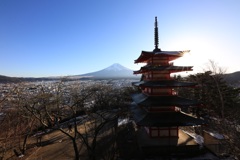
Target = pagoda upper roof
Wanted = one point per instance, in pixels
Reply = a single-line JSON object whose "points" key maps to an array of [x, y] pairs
{"points": [[146, 55], [163, 119], [145, 100], [164, 83], [163, 68]]}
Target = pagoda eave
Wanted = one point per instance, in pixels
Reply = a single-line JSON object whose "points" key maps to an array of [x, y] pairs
{"points": [[163, 119], [170, 69], [144, 57], [164, 83], [158, 101], [171, 55]]}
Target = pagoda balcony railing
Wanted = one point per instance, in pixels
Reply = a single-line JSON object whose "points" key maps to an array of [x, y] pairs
{"points": [[160, 94], [158, 79], [159, 64]]}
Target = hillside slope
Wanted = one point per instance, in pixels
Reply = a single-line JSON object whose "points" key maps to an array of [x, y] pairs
{"points": [[233, 78]]}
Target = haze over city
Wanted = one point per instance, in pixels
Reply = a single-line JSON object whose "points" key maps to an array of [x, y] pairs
{"points": [[60, 38]]}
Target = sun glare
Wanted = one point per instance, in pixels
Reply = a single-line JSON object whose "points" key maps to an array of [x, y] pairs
{"points": [[200, 52]]}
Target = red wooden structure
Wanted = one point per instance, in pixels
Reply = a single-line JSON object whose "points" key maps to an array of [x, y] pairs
{"points": [[158, 107]]}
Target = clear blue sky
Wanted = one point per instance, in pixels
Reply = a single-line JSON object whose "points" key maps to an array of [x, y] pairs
{"points": [[68, 37]]}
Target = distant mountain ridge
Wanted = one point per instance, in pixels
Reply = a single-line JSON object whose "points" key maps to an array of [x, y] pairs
{"points": [[5, 79], [116, 71], [233, 78]]}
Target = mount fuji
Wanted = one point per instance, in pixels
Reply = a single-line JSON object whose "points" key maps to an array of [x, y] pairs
{"points": [[114, 71]]}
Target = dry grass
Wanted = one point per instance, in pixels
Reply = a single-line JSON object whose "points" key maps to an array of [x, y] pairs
{"points": [[54, 145]]}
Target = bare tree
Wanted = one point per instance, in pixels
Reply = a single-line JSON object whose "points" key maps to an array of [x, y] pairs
{"points": [[8, 122], [102, 118], [66, 104], [221, 103], [217, 76], [86, 114]]}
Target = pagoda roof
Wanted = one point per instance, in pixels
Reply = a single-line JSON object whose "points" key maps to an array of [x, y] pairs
{"points": [[145, 100], [163, 119], [164, 83], [146, 55], [163, 68]]}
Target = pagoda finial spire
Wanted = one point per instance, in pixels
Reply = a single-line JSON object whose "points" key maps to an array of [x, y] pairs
{"points": [[156, 36]]}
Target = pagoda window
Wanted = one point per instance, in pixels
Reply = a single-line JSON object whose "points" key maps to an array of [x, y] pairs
{"points": [[160, 62], [160, 58], [148, 75], [160, 72], [144, 75], [160, 76], [164, 132], [161, 91], [174, 131], [154, 133], [147, 90]]}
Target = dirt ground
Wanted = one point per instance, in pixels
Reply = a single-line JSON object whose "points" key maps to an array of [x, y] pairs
{"points": [[54, 145]]}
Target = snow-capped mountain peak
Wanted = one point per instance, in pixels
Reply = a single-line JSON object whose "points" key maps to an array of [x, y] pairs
{"points": [[116, 67], [114, 71]]}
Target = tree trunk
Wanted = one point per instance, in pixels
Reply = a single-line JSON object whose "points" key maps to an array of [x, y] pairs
{"points": [[24, 146], [75, 149], [221, 97]]}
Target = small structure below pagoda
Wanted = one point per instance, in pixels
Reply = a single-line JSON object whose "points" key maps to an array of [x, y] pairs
{"points": [[157, 109]]}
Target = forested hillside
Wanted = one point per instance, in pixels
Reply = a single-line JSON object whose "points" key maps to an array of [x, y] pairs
{"points": [[233, 78], [221, 105]]}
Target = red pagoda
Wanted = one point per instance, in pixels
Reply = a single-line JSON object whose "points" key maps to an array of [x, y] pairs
{"points": [[157, 109]]}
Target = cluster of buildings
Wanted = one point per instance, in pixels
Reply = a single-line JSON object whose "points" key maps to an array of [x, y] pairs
{"points": [[10, 91]]}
